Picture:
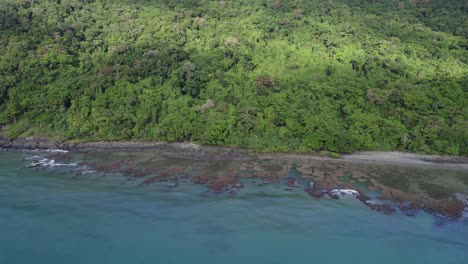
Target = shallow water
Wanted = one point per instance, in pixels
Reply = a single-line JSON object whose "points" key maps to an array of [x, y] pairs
{"points": [[52, 216]]}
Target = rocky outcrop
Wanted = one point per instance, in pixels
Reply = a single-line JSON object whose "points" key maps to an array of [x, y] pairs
{"points": [[314, 190], [32, 143]]}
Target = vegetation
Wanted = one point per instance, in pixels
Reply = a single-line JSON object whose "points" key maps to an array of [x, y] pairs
{"points": [[274, 75]]}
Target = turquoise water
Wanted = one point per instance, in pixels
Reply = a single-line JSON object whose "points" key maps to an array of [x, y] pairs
{"points": [[52, 216]]}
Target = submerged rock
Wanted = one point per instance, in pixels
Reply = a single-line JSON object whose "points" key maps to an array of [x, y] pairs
{"points": [[172, 184], [385, 208], [293, 183], [202, 177], [314, 190], [263, 182], [333, 196], [159, 178], [225, 183], [411, 208], [451, 207]]}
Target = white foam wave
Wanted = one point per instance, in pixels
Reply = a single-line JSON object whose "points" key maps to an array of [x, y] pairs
{"points": [[50, 163], [57, 151], [344, 192], [465, 213], [84, 172], [49, 150], [54, 151]]}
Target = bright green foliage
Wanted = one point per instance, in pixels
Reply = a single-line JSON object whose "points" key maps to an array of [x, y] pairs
{"points": [[272, 75]]}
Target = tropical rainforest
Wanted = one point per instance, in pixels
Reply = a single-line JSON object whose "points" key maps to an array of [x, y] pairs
{"points": [[271, 75]]}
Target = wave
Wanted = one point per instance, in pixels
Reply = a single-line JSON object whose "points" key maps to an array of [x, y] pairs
{"points": [[86, 171], [50, 150], [344, 192], [50, 163]]}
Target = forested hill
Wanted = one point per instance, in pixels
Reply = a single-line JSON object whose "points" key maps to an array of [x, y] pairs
{"points": [[275, 75]]}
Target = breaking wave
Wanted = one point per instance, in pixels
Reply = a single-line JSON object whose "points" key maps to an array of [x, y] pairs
{"points": [[50, 163], [50, 150], [344, 192]]}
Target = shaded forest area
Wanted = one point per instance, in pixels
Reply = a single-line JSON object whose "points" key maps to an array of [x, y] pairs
{"points": [[272, 75]]}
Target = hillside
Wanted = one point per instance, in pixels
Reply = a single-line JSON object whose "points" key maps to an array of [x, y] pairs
{"points": [[272, 75]]}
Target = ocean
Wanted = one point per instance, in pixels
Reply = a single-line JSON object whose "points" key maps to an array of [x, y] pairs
{"points": [[65, 212]]}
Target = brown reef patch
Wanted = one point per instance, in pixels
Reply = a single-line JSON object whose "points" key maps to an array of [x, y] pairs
{"points": [[451, 208], [225, 183]]}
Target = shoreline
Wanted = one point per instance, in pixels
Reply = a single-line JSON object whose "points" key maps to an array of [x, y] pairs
{"points": [[205, 152], [224, 170], [169, 149]]}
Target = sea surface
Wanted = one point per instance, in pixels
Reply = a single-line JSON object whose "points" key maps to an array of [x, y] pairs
{"points": [[51, 215]]}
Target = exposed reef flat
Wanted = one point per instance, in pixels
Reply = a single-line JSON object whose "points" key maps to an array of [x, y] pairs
{"points": [[383, 181]]}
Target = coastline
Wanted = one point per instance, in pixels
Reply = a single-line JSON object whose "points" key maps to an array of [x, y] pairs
{"points": [[172, 150], [361, 175], [204, 152]]}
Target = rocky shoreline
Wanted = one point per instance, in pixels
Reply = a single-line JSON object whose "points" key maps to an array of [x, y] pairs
{"points": [[170, 150], [204, 152]]}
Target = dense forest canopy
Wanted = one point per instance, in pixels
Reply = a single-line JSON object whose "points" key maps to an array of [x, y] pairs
{"points": [[274, 75]]}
